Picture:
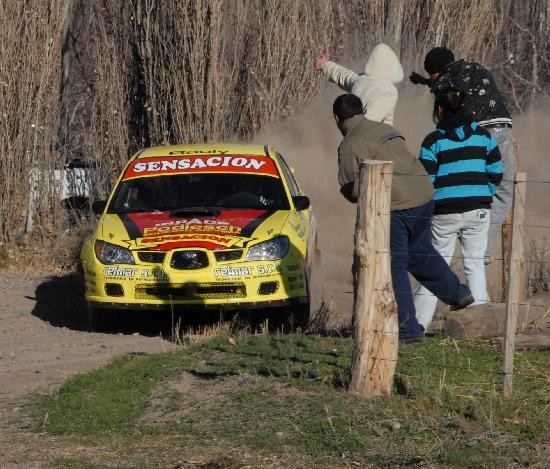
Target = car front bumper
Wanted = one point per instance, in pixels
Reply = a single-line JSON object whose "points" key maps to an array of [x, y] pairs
{"points": [[239, 285]]}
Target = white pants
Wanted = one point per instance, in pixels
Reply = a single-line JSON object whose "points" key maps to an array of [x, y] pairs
{"points": [[471, 228]]}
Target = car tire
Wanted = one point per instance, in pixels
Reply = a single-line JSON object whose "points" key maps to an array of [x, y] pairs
{"points": [[315, 284], [100, 319]]}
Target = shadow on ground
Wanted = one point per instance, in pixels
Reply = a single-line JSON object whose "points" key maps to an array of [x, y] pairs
{"points": [[60, 302]]}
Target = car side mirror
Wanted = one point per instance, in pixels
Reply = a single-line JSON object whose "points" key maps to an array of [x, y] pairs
{"points": [[98, 206], [301, 202]]}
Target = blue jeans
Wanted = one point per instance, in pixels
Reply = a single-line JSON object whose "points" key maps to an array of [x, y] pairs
{"points": [[412, 251]]}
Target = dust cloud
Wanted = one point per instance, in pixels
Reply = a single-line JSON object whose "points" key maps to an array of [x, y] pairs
{"points": [[309, 143], [532, 136]]}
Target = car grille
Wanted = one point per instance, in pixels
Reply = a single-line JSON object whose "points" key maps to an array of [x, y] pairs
{"points": [[189, 260], [151, 257], [229, 255], [190, 291]]}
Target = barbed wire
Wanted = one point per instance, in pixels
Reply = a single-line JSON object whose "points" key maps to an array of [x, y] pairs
{"points": [[419, 217], [515, 229], [437, 254], [472, 178], [469, 368], [485, 302]]}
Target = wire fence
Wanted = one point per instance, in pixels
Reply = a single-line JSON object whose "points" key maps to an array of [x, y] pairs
{"points": [[527, 325]]}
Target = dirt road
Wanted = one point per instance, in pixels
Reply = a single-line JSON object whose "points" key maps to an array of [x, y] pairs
{"points": [[44, 338]]}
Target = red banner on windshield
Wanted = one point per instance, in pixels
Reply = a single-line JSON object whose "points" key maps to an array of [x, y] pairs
{"points": [[165, 165]]}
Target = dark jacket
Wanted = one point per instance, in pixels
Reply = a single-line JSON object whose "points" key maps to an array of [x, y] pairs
{"points": [[365, 139], [464, 164], [482, 99]]}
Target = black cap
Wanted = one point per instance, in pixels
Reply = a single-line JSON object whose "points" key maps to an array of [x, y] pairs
{"points": [[437, 59]]}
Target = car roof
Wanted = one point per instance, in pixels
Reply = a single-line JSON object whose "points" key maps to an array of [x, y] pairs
{"points": [[206, 149]]}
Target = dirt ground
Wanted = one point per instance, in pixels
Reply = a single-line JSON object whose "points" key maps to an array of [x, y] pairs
{"points": [[44, 342], [44, 336], [45, 339]]}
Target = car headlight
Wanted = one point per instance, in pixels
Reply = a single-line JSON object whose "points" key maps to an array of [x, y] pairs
{"points": [[108, 253], [268, 250]]}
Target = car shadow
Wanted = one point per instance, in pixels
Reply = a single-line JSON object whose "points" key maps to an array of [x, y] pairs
{"points": [[60, 302]]}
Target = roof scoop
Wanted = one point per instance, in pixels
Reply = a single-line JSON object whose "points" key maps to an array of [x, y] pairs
{"points": [[194, 212]]}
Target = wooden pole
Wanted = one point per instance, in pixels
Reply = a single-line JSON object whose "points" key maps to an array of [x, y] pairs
{"points": [[505, 250], [375, 313], [506, 246], [514, 284]]}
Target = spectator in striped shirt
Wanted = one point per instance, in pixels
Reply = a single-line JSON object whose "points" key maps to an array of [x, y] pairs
{"points": [[464, 164]]}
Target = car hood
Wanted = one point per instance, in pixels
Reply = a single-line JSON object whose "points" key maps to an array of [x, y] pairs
{"points": [[159, 231]]}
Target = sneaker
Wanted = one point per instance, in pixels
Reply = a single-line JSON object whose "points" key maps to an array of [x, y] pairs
{"points": [[462, 303]]}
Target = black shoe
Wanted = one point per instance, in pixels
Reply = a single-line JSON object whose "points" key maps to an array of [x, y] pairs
{"points": [[406, 339], [462, 303]]}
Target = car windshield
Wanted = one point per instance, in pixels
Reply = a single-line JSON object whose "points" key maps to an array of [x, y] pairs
{"points": [[210, 190]]}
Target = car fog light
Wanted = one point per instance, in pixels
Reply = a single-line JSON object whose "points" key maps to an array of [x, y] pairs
{"points": [[114, 289]]}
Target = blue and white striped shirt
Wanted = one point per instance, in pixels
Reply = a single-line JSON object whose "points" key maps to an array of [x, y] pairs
{"points": [[464, 165]]}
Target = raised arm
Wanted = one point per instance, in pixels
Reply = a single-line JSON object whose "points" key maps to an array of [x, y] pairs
{"points": [[335, 73]]}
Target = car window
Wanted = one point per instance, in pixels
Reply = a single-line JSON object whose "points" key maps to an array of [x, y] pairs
{"points": [[216, 190], [292, 184]]}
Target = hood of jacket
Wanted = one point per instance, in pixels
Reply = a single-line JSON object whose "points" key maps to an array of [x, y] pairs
{"points": [[457, 128], [383, 64]]}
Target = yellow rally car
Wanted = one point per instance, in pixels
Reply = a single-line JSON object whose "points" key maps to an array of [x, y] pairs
{"points": [[202, 226]]}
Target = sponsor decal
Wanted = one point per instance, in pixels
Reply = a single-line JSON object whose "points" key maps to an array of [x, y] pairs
{"points": [[165, 165], [233, 271], [198, 152], [152, 274], [261, 270], [298, 229], [157, 230], [268, 269], [117, 271], [157, 240], [192, 221], [200, 228]]}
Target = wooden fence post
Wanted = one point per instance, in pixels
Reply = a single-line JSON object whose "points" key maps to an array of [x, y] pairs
{"points": [[375, 334], [514, 284], [505, 251]]}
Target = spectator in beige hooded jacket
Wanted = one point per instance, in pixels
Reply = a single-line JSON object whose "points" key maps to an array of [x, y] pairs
{"points": [[376, 87]]}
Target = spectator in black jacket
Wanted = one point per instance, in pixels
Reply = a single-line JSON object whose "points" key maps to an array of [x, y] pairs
{"points": [[484, 103]]}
